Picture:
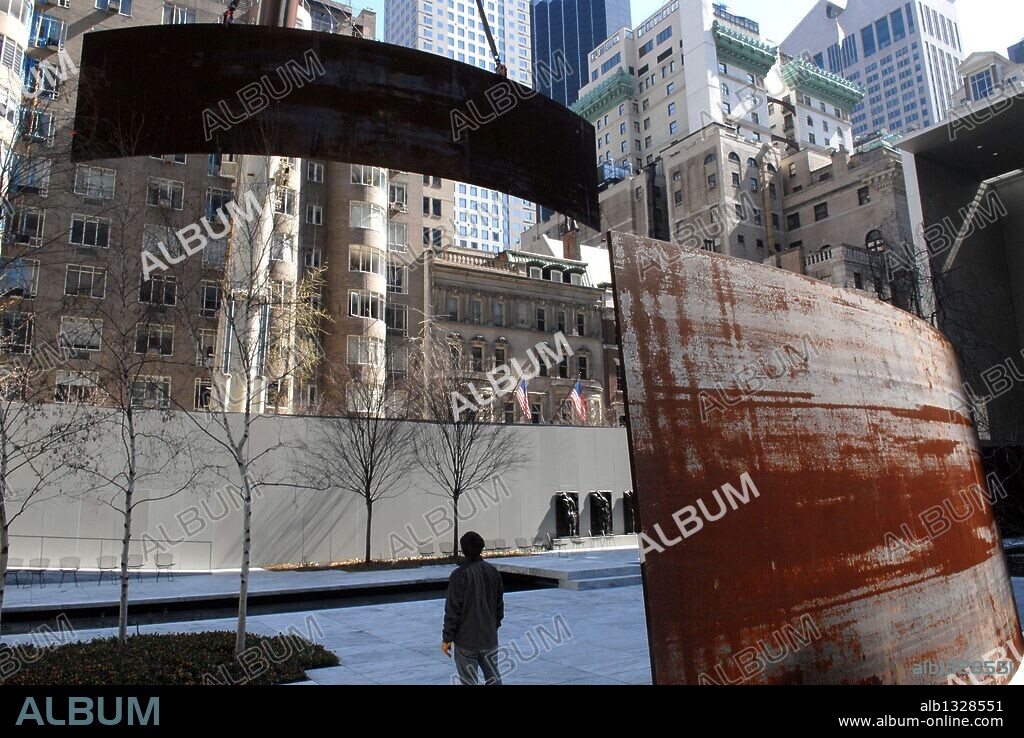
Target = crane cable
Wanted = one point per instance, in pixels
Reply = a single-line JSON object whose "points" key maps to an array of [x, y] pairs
{"points": [[499, 68]]}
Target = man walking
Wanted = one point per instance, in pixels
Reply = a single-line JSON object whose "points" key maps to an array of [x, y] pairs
{"points": [[473, 611]]}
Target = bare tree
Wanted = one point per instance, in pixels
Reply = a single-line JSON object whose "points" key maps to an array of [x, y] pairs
{"points": [[270, 320], [144, 443], [459, 448], [38, 442], [363, 445]]}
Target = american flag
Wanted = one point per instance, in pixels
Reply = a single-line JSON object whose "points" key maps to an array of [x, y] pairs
{"points": [[576, 398], [524, 400]]}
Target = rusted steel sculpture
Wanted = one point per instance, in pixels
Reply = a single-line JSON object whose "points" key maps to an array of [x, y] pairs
{"points": [[246, 89], [812, 501]]}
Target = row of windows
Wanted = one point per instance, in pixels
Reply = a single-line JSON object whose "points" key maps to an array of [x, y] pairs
{"points": [[477, 362], [821, 211], [498, 316]]}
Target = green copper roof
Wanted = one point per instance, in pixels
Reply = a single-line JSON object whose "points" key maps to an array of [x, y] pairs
{"points": [[612, 91], [743, 51], [812, 80]]}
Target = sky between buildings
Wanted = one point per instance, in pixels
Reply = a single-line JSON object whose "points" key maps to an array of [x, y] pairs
{"points": [[985, 25]]}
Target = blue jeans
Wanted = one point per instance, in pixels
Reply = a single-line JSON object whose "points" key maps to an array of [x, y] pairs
{"points": [[468, 659]]}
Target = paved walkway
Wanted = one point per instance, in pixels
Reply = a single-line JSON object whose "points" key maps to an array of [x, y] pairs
{"points": [[551, 636], [200, 587]]}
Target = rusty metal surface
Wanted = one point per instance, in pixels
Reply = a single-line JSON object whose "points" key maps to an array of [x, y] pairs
{"points": [[143, 91], [862, 555]]}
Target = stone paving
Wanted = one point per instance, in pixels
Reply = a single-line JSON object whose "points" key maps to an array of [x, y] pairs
{"points": [[550, 636]]}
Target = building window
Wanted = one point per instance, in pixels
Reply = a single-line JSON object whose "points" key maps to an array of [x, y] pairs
{"points": [[151, 393], [476, 355], [498, 311], [27, 227], [16, 333], [155, 339], [366, 215], [75, 386], [315, 171], [165, 193], [541, 319], [398, 236], [203, 394], [80, 334], [284, 200], [396, 317], [712, 181], [85, 281], [398, 196], [281, 248], [821, 211], [369, 176], [793, 221], [209, 299], [365, 351], [95, 182], [366, 304], [314, 214], [452, 305], [366, 259], [981, 85], [432, 206], [205, 344], [583, 365], [281, 292], [159, 290], [432, 237], [154, 237], [175, 14], [88, 232], [20, 278], [398, 279]]}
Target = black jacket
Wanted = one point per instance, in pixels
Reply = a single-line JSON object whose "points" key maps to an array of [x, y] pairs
{"points": [[474, 607]]}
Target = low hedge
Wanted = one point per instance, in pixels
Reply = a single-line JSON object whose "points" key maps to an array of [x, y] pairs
{"points": [[173, 658]]}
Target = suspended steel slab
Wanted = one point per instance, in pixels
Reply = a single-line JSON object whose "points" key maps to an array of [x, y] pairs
{"points": [[198, 89]]}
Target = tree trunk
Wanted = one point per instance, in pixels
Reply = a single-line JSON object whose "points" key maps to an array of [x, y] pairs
{"points": [[5, 550], [126, 537], [455, 510], [369, 526], [243, 589]]}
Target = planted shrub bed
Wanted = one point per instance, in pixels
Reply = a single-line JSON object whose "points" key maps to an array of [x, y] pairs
{"points": [[173, 658]]}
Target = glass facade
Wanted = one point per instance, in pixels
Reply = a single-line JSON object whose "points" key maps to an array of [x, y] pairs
{"points": [[564, 32]]}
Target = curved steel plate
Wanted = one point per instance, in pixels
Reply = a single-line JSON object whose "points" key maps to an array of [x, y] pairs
{"points": [[242, 89], [869, 553]]}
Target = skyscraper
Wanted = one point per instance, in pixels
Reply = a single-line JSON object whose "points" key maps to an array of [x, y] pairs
{"points": [[1016, 52], [487, 220], [572, 29], [905, 53]]}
